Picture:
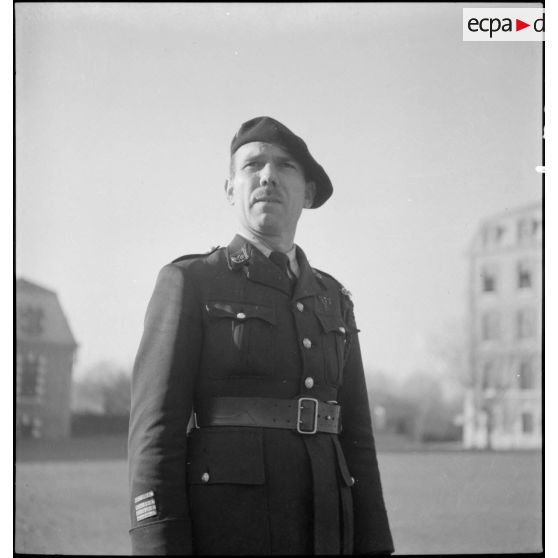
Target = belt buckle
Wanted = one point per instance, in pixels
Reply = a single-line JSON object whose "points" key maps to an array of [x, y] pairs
{"points": [[298, 419]]}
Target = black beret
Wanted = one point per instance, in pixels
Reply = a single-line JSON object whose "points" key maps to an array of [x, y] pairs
{"points": [[269, 130]]}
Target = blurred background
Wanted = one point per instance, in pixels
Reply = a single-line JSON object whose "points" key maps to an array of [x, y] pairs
{"points": [[124, 114]]}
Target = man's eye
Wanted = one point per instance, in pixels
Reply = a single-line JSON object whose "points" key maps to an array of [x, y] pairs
{"points": [[289, 164]]}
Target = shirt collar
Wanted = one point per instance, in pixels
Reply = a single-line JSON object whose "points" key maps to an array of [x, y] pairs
{"points": [[266, 251]]}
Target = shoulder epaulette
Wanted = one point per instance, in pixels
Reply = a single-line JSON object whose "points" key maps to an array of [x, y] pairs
{"points": [[192, 256], [319, 273]]}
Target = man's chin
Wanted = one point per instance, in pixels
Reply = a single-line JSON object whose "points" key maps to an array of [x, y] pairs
{"points": [[268, 222]]}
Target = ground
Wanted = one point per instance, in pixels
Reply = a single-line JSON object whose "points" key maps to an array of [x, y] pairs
{"points": [[71, 498]]}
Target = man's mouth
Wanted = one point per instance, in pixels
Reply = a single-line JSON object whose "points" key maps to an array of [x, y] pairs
{"points": [[266, 199]]}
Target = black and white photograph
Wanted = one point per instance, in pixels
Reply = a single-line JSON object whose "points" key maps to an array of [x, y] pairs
{"points": [[279, 278]]}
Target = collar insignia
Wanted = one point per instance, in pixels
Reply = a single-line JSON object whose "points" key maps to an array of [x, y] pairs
{"points": [[240, 256]]}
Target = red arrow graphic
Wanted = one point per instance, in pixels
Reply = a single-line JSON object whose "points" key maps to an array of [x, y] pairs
{"points": [[519, 25]]}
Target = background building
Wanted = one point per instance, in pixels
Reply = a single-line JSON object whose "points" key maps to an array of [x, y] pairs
{"points": [[44, 362], [503, 402]]}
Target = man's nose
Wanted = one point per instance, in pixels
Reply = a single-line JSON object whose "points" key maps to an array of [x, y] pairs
{"points": [[268, 175]]}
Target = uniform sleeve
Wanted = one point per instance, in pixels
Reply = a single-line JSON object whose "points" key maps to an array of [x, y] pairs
{"points": [[371, 528], [162, 382]]}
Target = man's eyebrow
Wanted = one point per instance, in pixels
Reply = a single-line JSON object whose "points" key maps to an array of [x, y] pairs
{"points": [[286, 158]]}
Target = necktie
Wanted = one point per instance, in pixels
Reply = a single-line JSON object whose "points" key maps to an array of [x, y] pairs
{"points": [[281, 260]]}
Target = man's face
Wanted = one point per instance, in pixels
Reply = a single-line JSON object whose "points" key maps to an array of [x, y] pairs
{"points": [[268, 189]]}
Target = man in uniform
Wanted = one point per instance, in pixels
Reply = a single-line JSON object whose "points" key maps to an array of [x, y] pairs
{"points": [[262, 351]]}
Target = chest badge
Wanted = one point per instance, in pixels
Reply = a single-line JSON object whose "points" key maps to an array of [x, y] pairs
{"points": [[325, 301], [346, 292]]}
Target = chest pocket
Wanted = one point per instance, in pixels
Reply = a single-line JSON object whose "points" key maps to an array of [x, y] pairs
{"points": [[334, 338], [239, 339]]}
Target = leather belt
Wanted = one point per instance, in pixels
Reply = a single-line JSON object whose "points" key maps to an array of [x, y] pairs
{"points": [[306, 415]]}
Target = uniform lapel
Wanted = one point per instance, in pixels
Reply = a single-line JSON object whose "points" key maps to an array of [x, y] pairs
{"points": [[308, 283]]}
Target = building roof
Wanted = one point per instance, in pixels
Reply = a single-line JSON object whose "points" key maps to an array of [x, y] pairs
{"points": [[512, 212], [40, 317]]}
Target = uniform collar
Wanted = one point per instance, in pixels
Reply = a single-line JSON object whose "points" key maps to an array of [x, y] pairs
{"points": [[266, 251], [243, 255], [239, 252]]}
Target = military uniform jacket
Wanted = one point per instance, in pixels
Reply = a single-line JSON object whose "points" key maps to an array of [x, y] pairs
{"points": [[227, 324]]}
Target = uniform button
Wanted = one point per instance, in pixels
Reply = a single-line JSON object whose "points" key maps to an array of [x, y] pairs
{"points": [[352, 482], [300, 306], [241, 315], [309, 382], [342, 329], [307, 343], [205, 477]]}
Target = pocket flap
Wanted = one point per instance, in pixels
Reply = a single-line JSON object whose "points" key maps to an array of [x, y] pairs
{"points": [[225, 455], [240, 310], [332, 322]]}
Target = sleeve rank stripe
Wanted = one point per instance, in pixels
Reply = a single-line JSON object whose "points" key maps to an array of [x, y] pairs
{"points": [[144, 496]]}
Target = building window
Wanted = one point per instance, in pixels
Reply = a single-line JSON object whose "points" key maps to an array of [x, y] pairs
{"points": [[493, 235], [489, 377], [31, 320], [25, 426], [537, 229], [29, 427], [524, 275], [488, 279], [30, 379], [527, 423], [525, 323], [527, 378], [37, 427], [490, 326], [528, 230]]}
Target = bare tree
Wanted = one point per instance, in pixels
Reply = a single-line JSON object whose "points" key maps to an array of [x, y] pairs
{"points": [[108, 383], [450, 349]]}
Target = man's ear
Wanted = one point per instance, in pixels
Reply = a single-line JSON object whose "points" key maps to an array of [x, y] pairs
{"points": [[229, 191], [310, 194]]}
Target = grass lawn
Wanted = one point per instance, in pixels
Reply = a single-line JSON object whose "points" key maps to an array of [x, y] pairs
{"points": [[442, 502], [459, 502]]}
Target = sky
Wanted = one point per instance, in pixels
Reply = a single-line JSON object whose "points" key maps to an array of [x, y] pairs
{"points": [[124, 116]]}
